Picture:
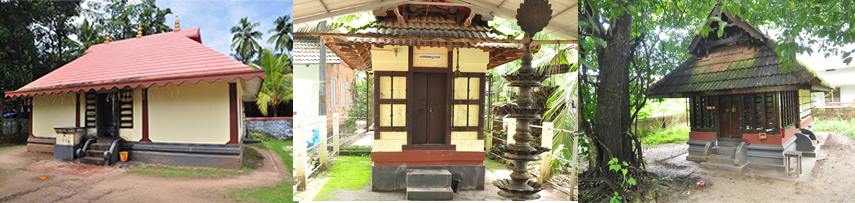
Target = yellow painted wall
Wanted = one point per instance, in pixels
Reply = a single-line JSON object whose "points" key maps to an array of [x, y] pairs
{"points": [[51, 111], [189, 113], [467, 141], [393, 87], [471, 60], [389, 58], [393, 115], [390, 142], [434, 57], [460, 116]]}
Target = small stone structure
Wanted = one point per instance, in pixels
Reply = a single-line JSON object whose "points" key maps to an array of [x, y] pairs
{"points": [[279, 127]]}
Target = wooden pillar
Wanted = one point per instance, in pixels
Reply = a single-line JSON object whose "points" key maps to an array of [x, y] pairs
{"points": [[336, 136], [144, 98], [76, 110], [546, 158], [233, 111]]}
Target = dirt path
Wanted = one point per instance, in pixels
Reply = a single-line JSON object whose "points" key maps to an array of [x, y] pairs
{"points": [[832, 179], [107, 184]]}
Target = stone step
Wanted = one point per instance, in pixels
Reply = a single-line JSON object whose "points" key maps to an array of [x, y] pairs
{"points": [[717, 158], [724, 150], [723, 166], [92, 160], [100, 146], [95, 153], [430, 194], [428, 179]]}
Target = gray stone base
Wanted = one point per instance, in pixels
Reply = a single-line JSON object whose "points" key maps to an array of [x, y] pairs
{"points": [[219, 156], [393, 178], [63, 152]]}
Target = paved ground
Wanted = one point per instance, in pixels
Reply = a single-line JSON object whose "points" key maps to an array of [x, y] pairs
{"points": [[832, 178], [71, 182], [490, 192]]}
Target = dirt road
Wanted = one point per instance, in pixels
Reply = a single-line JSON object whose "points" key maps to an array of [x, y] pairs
{"points": [[832, 179], [83, 183]]}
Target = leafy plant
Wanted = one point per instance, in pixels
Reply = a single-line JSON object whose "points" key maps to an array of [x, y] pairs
{"points": [[278, 78], [245, 40]]}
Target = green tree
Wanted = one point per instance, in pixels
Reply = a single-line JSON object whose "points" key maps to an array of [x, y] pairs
{"points": [[245, 40], [627, 44], [122, 18], [281, 37], [278, 78]]}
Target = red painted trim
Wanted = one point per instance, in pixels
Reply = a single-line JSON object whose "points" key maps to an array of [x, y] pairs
{"points": [[233, 117], [76, 110], [144, 98], [267, 118], [428, 158], [31, 117], [697, 135]]}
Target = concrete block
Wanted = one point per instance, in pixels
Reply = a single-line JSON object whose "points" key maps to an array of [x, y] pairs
{"points": [[428, 179], [430, 194]]}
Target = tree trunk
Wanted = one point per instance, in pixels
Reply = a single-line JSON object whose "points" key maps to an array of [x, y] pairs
{"points": [[613, 94]]}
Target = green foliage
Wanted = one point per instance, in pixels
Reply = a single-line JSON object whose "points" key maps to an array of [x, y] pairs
{"points": [[671, 134], [245, 40], [261, 136], [355, 150], [281, 38], [346, 173], [837, 125], [278, 79]]}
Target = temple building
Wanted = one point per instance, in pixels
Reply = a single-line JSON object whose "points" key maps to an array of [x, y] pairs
{"points": [[428, 63], [164, 98], [746, 107]]}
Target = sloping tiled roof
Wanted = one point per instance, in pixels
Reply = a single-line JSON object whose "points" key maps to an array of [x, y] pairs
{"points": [[307, 51], [159, 59], [419, 31], [744, 60]]}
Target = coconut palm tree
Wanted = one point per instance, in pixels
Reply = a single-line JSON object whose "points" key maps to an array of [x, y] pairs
{"points": [[276, 87], [281, 39], [245, 40]]}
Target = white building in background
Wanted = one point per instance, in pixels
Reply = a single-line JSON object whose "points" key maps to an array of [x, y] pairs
{"points": [[843, 81]]}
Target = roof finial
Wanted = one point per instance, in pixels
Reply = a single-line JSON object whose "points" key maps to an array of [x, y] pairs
{"points": [[107, 38], [139, 30], [177, 24]]}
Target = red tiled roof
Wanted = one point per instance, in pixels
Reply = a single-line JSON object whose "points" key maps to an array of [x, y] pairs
{"points": [[160, 59]]}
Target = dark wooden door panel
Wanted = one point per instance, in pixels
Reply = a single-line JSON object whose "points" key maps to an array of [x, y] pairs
{"points": [[436, 97], [427, 104]]}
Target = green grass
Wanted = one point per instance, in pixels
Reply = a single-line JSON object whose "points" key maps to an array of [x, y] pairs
{"points": [[671, 134], [251, 161], [282, 192], [494, 165], [346, 173], [835, 125], [278, 147], [279, 193]]}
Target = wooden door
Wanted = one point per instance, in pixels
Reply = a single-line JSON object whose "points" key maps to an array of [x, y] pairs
{"points": [[107, 122], [428, 103], [729, 117]]}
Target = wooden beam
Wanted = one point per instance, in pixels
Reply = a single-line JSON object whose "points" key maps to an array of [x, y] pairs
{"points": [[344, 11], [423, 38]]}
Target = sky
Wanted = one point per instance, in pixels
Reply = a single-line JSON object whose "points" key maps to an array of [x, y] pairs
{"points": [[215, 18]]}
